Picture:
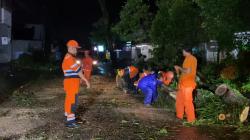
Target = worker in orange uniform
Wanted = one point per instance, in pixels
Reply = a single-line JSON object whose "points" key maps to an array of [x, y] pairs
{"points": [[72, 75], [130, 74], [186, 85], [87, 65]]}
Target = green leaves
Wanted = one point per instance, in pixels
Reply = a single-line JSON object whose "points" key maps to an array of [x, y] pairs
{"points": [[135, 21], [220, 20], [176, 25]]}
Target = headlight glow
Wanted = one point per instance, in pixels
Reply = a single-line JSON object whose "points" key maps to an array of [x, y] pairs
{"points": [[78, 62], [95, 62]]}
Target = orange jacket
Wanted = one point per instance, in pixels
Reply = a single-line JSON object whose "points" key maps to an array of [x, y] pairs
{"points": [[133, 71], [71, 69], [188, 80], [87, 63]]}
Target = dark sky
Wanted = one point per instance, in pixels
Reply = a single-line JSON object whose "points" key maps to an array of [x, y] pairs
{"points": [[64, 19]]}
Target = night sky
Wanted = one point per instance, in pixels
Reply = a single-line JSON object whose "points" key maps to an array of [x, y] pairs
{"points": [[64, 19]]}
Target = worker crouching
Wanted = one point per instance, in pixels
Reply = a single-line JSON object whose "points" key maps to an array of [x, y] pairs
{"points": [[130, 75], [148, 85]]}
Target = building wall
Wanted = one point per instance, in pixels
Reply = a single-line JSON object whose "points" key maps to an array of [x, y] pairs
{"points": [[5, 31], [20, 47], [145, 50]]}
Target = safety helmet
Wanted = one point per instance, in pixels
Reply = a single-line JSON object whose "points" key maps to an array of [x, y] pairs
{"points": [[73, 43]]}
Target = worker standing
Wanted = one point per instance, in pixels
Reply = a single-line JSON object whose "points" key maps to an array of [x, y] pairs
{"points": [[72, 76], [186, 85], [87, 63]]}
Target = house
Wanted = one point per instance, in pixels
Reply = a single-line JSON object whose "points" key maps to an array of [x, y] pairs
{"points": [[5, 30], [25, 44], [145, 49]]}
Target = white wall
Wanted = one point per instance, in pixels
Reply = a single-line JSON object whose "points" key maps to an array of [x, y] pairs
{"points": [[5, 33], [145, 50], [24, 46]]}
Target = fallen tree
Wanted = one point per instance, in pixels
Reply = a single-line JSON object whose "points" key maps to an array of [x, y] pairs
{"points": [[225, 104], [230, 96]]}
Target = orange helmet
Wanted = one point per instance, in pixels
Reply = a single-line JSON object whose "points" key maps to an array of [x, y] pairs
{"points": [[73, 43]]}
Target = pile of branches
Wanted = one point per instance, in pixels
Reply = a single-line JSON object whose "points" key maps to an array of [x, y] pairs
{"points": [[217, 108]]}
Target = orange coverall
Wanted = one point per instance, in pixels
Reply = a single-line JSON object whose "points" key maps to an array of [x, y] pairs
{"points": [[71, 85], [186, 85], [87, 67], [133, 71]]}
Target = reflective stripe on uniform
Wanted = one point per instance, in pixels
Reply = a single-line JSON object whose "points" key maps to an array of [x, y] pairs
{"points": [[68, 71], [78, 70], [70, 74], [71, 119], [74, 65]]}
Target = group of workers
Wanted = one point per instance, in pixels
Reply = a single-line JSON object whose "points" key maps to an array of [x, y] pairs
{"points": [[146, 81]]}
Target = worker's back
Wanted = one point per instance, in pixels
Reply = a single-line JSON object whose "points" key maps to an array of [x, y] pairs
{"points": [[149, 81]]}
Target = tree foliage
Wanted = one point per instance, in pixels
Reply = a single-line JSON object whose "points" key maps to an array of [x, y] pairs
{"points": [[102, 28], [181, 23], [221, 20], [135, 21], [176, 25]]}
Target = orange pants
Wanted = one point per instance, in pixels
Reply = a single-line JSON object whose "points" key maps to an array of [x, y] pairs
{"points": [[184, 102], [87, 74], [71, 87]]}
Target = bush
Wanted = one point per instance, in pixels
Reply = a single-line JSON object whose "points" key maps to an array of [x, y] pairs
{"points": [[212, 109], [246, 87], [29, 62]]}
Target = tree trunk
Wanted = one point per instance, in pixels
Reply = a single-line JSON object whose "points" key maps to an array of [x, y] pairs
{"points": [[105, 16], [221, 90], [229, 96], [171, 92], [244, 114]]}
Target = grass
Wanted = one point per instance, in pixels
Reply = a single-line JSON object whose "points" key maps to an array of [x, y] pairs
{"points": [[164, 101]]}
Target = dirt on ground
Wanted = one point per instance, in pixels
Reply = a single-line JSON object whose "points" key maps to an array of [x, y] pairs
{"points": [[107, 114]]}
